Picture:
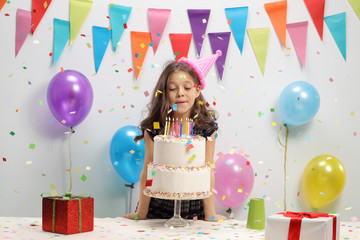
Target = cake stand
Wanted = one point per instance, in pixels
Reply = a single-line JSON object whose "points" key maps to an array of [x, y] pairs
{"points": [[177, 221]]}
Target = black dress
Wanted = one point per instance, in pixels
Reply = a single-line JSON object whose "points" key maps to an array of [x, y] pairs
{"points": [[163, 208]]}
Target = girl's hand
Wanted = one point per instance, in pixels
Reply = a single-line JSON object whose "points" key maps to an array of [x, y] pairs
{"points": [[132, 216], [215, 218]]}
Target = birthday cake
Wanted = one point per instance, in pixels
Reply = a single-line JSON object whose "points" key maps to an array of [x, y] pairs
{"points": [[178, 170]]}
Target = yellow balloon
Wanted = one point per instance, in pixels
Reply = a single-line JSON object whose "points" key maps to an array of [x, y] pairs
{"points": [[323, 180]]}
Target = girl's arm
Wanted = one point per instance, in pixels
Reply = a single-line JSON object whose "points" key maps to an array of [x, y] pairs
{"points": [[144, 200], [209, 206]]}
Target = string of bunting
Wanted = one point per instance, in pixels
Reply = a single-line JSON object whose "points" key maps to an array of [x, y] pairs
{"points": [[237, 19]]}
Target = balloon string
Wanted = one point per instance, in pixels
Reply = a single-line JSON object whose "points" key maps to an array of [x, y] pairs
{"points": [[285, 153], [71, 131]]}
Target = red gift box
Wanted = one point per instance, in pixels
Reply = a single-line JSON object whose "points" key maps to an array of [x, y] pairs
{"points": [[68, 216]]}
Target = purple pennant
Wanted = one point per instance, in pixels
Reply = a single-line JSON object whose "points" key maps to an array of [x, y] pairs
{"points": [[220, 41], [198, 20]]}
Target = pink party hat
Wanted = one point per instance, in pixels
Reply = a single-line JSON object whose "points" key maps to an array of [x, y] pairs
{"points": [[202, 65]]}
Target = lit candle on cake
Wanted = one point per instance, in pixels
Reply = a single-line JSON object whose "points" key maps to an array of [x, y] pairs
{"points": [[180, 128], [177, 127], [172, 128], [192, 127], [166, 123], [186, 123], [168, 129]]}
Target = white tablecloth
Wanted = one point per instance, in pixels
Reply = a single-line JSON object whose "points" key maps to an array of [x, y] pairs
{"points": [[120, 228]]}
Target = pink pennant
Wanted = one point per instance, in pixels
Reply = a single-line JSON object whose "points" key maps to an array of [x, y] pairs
{"points": [[157, 21], [298, 33], [23, 27]]}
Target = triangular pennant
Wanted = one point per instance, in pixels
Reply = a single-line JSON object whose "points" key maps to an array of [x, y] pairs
{"points": [[220, 41], [119, 16], [101, 38], [277, 13], [337, 25], [140, 42], [198, 21], [157, 22], [298, 34], [238, 18], [23, 27], [61, 36], [180, 44], [2, 3], [316, 10], [355, 4], [79, 9], [259, 38], [39, 8]]}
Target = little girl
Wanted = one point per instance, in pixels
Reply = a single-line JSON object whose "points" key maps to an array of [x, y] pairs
{"points": [[180, 84]]}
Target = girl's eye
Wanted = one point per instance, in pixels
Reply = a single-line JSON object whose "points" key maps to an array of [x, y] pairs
{"points": [[187, 88], [171, 89]]}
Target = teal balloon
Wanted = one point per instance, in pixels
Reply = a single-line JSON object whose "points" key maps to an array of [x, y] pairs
{"points": [[298, 103], [127, 156]]}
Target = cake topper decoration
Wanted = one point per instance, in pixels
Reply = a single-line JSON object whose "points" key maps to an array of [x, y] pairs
{"points": [[202, 65]]}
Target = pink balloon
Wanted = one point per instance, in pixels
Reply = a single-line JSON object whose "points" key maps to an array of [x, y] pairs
{"points": [[234, 179]]}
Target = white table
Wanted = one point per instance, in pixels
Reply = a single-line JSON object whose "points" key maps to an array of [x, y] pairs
{"points": [[120, 228]]}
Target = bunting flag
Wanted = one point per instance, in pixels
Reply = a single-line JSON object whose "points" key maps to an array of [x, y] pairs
{"points": [[220, 41], [61, 36], [39, 8], [157, 22], [79, 9], [259, 38], [355, 4], [237, 18], [337, 26], [316, 10], [198, 20], [298, 34], [23, 28], [119, 16], [140, 42], [101, 38], [277, 13], [180, 44], [2, 3]]}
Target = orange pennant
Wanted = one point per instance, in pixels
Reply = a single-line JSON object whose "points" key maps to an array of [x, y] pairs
{"points": [[140, 43], [2, 3], [277, 14]]}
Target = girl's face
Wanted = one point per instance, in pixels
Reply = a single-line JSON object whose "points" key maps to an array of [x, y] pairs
{"points": [[181, 91]]}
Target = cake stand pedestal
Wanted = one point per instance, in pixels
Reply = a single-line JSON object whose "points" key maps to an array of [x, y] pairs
{"points": [[177, 221]]}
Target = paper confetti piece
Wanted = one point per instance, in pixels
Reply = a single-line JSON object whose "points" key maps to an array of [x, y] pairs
{"points": [[136, 217], [83, 178], [54, 193], [88, 168], [354, 219], [146, 93], [223, 197], [4, 159], [28, 162], [190, 146], [156, 125], [32, 146], [174, 107], [132, 151], [52, 186], [12, 133], [212, 218]]}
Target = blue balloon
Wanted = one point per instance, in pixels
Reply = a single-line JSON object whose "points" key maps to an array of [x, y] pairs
{"points": [[127, 156], [298, 103]]}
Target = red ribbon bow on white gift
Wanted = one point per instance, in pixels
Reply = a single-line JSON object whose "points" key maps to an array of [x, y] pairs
{"points": [[296, 219]]}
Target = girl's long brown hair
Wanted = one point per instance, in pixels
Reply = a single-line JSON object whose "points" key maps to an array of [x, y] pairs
{"points": [[158, 107]]}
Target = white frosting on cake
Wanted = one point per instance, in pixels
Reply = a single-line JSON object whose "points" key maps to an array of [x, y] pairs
{"points": [[178, 170]]}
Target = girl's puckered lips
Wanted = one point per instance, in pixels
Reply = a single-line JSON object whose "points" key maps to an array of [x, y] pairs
{"points": [[180, 102]]}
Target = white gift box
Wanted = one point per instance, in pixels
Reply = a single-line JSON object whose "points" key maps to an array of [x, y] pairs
{"points": [[320, 228]]}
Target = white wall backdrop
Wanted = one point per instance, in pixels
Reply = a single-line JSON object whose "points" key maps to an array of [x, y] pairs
{"points": [[240, 96]]}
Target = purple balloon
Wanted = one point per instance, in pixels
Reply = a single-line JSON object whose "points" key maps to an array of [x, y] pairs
{"points": [[70, 97], [234, 179]]}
